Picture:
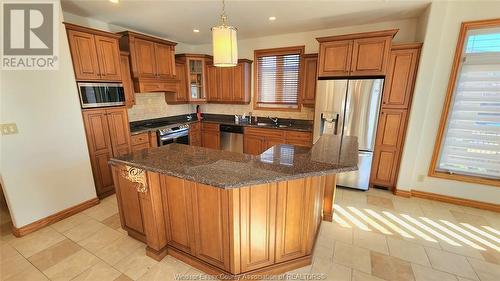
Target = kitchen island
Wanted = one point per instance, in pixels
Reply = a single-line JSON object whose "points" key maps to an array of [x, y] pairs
{"points": [[231, 213]]}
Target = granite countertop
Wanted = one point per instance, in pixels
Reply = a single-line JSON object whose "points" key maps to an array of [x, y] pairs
{"points": [[224, 169], [292, 124]]}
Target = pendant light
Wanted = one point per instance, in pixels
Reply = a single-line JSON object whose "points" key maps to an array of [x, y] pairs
{"points": [[224, 44]]}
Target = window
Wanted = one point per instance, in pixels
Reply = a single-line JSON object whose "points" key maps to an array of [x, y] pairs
{"points": [[278, 78], [468, 142]]}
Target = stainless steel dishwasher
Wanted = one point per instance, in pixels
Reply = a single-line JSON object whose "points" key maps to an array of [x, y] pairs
{"points": [[232, 138]]}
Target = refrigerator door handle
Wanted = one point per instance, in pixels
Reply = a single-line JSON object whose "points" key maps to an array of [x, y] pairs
{"points": [[336, 126]]}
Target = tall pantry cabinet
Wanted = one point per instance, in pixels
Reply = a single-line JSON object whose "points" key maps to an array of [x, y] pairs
{"points": [[96, 58], [394, 113]]}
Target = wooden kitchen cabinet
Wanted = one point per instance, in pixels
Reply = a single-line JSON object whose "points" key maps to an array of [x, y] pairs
{"points": [[396, 103], [108, 55], [140, 141], [177, 197], [310, 77], [291, 220], [195, 134], [226, 81], [128, 86], [370, 56], [298, 138], [360, 54], [213, 94], [129, 206], [181, 95], [210, 135], [95, 54], [229, 84], [195, 73], [335, 58], [258, 218], [258, 140], [211, 226], [388, 145], [152, 62], [267, 228], [401, 76], [254, 145], [108, 135]]}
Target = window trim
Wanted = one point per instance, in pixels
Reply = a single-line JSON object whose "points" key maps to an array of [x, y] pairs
{"points": [[433, 172], [278, 51]]}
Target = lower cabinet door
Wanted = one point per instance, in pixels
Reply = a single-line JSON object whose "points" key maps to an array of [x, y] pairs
{"points": [[119, 130], [211, 227], [100, 149], [291, 220], [141, 146], [102, 174], [176, 195], [384, 167], [129, 204], [257, 226], [211, 139], [270, 142], [253, 144]]}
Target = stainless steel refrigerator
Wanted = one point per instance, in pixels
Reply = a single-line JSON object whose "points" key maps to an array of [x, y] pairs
{"points": [[350, 108]]}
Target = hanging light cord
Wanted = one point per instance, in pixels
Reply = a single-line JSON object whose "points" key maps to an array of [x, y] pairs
{"points": [[223, 15]]}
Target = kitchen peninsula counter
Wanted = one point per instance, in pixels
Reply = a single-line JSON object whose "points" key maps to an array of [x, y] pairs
{"points": [[231, 213], [224, 169]]}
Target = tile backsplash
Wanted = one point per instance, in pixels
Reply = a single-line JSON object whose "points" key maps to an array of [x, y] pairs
{"points": [[153, 105], [305, 113]]}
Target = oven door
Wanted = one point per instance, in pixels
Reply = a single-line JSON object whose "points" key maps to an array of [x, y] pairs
{"points": [[101, 94], [177, 137]]}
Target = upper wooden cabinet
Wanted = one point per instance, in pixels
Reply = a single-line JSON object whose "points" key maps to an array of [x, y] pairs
{"points": [[108, 135], [335, 58], [401, 75], [95, 54], [152, 62], [229, 84], [310, 77], [128, 86], [360, 54], [195, 76], [213, 94]]}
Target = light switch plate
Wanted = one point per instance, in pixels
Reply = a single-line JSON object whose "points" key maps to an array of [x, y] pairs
{"points": [[8, 129]]}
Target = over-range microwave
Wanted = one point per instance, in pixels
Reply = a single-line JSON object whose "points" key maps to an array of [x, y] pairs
{"points": [[101, 94]]}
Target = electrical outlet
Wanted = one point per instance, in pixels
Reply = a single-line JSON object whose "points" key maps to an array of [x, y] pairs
{"points": [[420, 178], [9, 129]]}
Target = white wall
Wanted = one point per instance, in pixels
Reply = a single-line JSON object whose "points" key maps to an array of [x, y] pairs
{"points": [[45, 168], [407, 32], [441, 34]]}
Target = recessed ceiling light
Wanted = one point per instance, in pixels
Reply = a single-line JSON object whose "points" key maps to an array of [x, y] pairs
{"points": [[196, 30], [114, 1], [272, 18]]}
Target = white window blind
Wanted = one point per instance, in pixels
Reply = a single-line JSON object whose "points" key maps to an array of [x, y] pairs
{"points": [[278, 78], [471, 144]]}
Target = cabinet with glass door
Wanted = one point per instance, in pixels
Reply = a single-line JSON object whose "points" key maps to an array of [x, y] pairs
{"points": [[195, 75]]}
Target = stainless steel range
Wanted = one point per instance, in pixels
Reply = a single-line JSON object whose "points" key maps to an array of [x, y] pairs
{"points": [[174, 133]]}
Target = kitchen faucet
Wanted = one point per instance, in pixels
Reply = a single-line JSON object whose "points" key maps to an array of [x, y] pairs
{"points": [[274, 119]]}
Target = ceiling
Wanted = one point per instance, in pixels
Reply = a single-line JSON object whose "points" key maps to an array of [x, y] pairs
{"points": [[177, 19]]}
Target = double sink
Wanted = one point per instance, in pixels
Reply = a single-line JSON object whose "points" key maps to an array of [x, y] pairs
{"points": [[272, 125]]}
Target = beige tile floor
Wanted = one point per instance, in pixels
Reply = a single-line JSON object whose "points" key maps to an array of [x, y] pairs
{"points": [[375, 236]]}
